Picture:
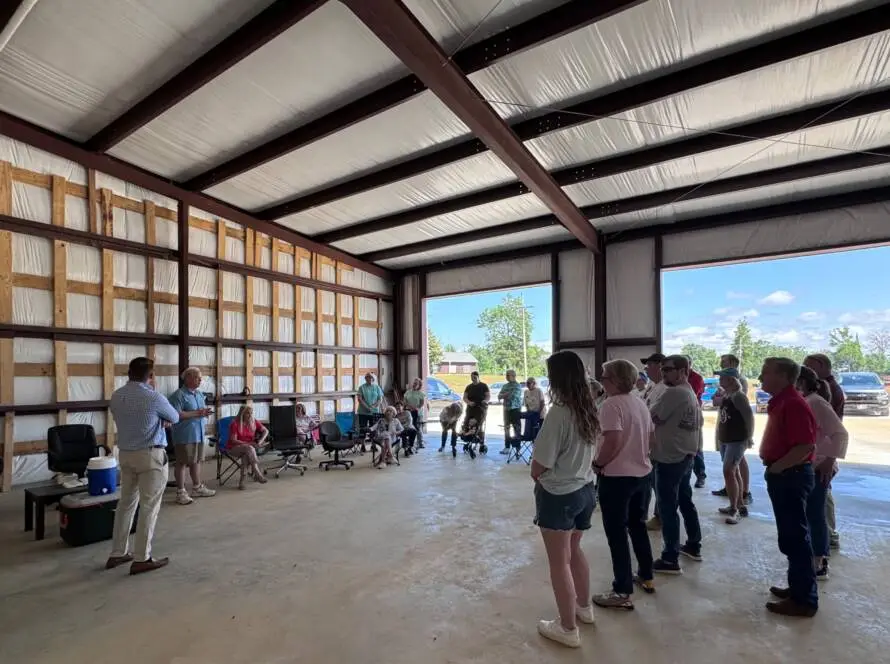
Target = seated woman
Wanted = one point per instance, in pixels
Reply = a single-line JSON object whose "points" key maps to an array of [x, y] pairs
{"points": [[305, 426], [448, 418], [243, 441], [386, 433], [409, 432], [535, 409]]}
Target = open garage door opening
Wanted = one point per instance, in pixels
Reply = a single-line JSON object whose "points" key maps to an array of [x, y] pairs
{"points": [[836, 304], [490, 332]]}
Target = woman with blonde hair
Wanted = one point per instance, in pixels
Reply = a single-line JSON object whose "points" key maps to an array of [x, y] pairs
{"points": [[564, 496], [622, 463], [243, 441]]}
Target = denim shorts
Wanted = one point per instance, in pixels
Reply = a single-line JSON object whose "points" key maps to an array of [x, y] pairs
{"points": [[570, 511], [733, 453]]}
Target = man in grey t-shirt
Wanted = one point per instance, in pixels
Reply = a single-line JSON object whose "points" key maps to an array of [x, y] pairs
{"points": [[678, 424]]}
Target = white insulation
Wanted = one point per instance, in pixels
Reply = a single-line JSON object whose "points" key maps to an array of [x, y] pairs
{"points": [[630, 290], [519, 272], [577, 295]]}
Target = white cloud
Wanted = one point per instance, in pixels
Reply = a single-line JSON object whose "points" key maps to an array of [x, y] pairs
{"points": [[789, 337], [777, 298], [810, 316], [722, 311], [547, 345], [734, 295], [846, 318], [689, 331], [750, 313]]}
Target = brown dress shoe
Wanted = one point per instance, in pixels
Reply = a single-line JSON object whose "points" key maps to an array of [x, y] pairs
{"points": [[117, 561], [148, 565], [788, 607]]}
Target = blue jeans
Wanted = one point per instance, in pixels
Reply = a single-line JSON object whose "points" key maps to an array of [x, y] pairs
{"points": [[789, 492], [817, 518], [674, 491], [621, 503], [698, 466]]}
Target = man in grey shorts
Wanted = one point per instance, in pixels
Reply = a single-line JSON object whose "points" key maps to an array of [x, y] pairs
{"points": [[735, 431]]}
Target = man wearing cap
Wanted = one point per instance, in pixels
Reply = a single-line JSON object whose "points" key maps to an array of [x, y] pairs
{"points": [[654, 389], [735, 431]]}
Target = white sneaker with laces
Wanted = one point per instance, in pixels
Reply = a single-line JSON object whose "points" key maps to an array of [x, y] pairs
{"points": [[202, 492], [585, 614], [183, 498], [733, 519], [553, 630]]}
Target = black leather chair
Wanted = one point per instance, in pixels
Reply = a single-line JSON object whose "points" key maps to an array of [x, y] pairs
{"points": [[332, 440], [285, 439], [69, 448]]}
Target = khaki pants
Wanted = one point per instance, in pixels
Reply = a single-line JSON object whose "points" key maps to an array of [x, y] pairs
{"points": [[829, 515], [143, 480]]}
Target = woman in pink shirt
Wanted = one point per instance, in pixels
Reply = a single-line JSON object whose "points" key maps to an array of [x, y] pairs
{"points": [[623, 465], [831, 445], [243, 441]]}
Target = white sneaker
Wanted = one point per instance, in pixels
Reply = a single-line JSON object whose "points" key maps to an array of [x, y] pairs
{"points": [[553, 630], [733, 519], [183, 498], [585, 614], [202, 492]]}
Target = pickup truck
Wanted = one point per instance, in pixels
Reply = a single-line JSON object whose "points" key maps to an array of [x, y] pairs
{"points": [[865, 393]]}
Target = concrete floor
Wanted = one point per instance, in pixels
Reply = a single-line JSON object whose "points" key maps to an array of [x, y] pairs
{"points": [[433, 562]]}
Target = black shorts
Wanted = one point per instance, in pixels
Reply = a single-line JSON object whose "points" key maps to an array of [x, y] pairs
{"points": [[570, 511]]}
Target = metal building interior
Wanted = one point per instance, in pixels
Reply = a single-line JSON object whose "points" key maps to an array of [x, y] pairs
{"points": [[309, 171]]}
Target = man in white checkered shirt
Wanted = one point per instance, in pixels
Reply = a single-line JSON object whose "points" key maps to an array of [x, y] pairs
{"points": [[141, 415]]}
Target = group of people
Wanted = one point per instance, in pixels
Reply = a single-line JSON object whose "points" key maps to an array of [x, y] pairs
{"points": [[634, 441], [518, 405]]}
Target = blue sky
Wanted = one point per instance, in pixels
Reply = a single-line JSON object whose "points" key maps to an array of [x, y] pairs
{"points": [[453, 319], [790, 301]]}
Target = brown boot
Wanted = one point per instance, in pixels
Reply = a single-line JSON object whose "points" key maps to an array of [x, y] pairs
{"points": [[788, 607], [117, 561], [148, 565]]}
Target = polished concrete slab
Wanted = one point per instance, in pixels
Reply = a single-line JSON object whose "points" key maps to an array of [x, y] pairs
{"points": [[433, 562]]}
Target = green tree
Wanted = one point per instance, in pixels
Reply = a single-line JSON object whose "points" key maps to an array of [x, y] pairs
{"points": [[846, 350], [507, 328], [434, 350], [743, 347], [449, 348], [705, 360], [484, 361]]}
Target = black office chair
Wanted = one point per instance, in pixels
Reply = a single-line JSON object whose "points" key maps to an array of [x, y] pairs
{"points": [[332, 440], [284, 438], [69, 448]]}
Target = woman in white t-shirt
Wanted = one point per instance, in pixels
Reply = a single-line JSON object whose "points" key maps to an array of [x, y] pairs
{"points": [[562, 468], [623, 465], [831, 445]]}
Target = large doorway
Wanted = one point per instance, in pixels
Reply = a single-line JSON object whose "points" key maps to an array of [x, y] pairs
{"points": [[489, 332], [833, 303]]}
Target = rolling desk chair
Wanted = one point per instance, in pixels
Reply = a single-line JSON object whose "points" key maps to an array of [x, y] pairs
{"points": [[284, 438]]}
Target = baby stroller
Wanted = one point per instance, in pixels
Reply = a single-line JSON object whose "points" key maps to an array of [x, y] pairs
{"points": [[472, 431]]}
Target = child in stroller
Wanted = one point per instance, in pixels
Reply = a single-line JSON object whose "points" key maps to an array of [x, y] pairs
{"points": [[472, 432]]}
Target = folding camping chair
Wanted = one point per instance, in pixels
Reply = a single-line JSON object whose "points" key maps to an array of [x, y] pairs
{"points": [[524, 445], [221, 441]]}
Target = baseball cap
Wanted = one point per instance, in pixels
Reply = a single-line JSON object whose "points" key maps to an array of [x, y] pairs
{"points": [[731, 372], [655, 357]]}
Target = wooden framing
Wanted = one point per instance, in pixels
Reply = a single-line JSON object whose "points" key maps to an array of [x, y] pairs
{"points": [[101, 204]]}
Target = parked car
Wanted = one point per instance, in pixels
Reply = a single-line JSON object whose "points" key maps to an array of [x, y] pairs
{"points": [[494, 388], [707, 397], [865, 393], [761, 400], [438, 395]]}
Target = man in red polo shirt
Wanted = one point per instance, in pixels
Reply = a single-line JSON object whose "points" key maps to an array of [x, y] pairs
{"points": [[787, 449], [697, 383], [821, 364]]}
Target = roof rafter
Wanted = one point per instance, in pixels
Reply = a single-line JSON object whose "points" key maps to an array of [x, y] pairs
{"points": [[738, 217], [805, 42], [839, 164], [258, 31], [42, 139], [545, 27], [748, 132], [403, 34]]}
